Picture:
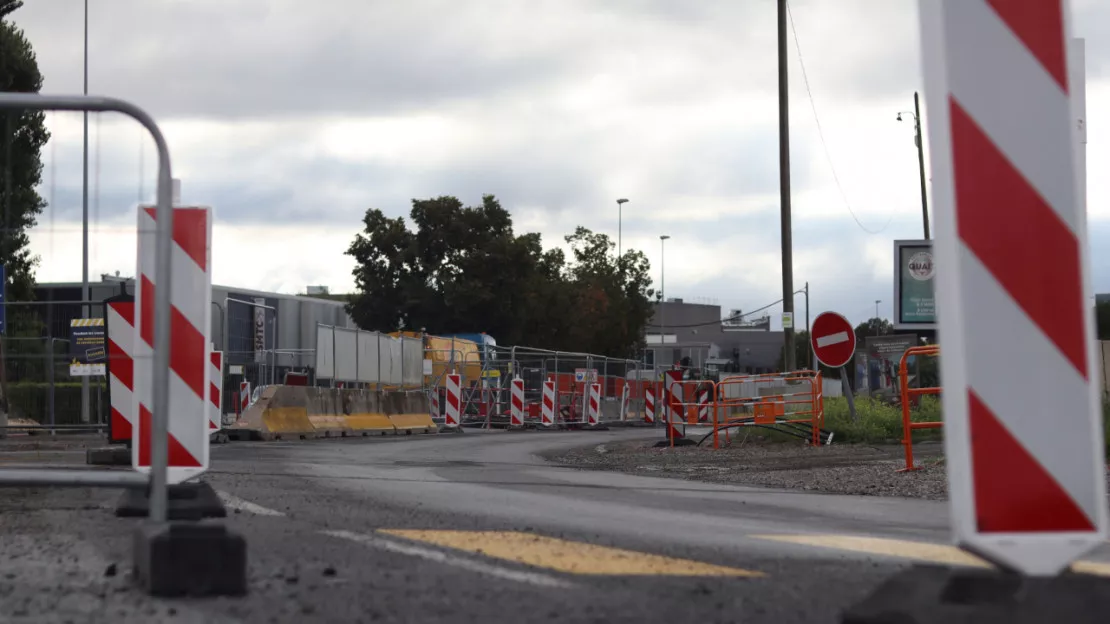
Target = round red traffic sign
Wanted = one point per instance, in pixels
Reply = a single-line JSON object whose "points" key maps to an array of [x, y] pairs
{"points": [[833, 339]]}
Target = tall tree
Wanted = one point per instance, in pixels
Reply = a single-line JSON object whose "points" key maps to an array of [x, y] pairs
{"points": [[464, 269], [22, 136]]}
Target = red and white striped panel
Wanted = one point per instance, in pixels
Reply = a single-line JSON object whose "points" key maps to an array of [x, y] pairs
{"points": [[1025, 462], [516, 412], [190, 326], [216, 391], [547, 410], [672, 394], [451, 415], [244, 396], [121, 368], [649, 404], [593, 413], [703, 403]]}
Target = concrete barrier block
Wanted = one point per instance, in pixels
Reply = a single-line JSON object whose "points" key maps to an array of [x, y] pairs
{"points": [[368, 423], [410, 423]]}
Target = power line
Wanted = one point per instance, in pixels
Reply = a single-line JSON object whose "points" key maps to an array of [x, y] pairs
{"points": [[821, 132]]}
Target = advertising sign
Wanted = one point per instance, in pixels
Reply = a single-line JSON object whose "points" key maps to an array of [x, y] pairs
{"points": [[877, 363], [87, 350], [914, 303], [259, 330]]}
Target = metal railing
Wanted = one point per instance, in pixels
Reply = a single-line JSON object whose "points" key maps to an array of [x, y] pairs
{"points": [[156, 480]]}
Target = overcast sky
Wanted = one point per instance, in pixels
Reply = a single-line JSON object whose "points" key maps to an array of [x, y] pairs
{"points": [[292, 118]]}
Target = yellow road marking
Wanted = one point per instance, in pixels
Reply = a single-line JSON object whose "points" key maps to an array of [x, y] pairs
{"points": [[921, 551], [566, 556]]}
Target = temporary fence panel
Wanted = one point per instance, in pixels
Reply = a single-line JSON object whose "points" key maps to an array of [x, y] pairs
{"points": [[325, 352], [369, 365], [392, 347], [907, 396], [346, 354], [412, 358]]}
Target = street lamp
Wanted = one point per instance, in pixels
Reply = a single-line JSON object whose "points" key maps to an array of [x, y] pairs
{"points": [[877, 302], [662, 282], [620, 206], [920, 158]]}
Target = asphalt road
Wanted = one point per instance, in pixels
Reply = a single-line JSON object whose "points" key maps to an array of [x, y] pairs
{"points": [[473, 528]]}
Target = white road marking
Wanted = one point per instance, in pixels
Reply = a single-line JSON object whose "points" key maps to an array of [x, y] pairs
{"points": [[439, 556], [832, 339], [235, 502]]}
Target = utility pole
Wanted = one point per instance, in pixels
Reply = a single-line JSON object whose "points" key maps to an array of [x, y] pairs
{"points": [[921, 163], [784, 192], [620, 210], [85, 295]]}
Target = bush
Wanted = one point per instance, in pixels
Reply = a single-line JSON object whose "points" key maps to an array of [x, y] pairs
{"points": [[878, 422], [31, 400]]}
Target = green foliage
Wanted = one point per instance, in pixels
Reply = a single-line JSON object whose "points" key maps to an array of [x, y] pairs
{"points": [[878, 422], [873, 327], [464, 269], [31, 400]]}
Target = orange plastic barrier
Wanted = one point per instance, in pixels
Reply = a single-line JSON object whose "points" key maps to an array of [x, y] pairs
{"points": [[908, 393], [770, 410]]}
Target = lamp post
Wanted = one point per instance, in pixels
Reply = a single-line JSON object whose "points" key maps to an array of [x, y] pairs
{"points": [[662, 284], [877, 302], [920, 159], [620, 209]]}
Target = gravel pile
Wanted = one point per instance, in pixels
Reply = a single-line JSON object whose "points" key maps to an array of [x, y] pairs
{"points": [[839, 469]]}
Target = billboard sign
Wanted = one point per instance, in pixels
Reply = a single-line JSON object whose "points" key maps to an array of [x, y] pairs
{"points": [[914, 302], [87, 350], [877, 363]]}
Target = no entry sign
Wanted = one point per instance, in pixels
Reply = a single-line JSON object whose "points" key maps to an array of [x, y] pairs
{"points": [[833, 339], [1026, 472]]}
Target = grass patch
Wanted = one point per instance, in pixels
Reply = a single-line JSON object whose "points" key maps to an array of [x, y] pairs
{"points": [[878, 422]]}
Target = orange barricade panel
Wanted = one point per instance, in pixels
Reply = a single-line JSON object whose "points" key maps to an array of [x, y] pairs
{"points": [[764, 413]]}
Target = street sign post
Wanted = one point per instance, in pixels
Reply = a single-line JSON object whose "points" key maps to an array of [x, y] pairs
{"points": [[833, 340], [1025, 461]]}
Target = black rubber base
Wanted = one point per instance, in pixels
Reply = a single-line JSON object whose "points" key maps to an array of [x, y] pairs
{"points": [[185, 501], [598, 427], [938, 595], [108, 456], [445, 429], [190, 559], [220, 437]]}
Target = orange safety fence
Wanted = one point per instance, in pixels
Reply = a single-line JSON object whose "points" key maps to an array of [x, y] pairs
{"points": [[808, 405], [908, 393]]}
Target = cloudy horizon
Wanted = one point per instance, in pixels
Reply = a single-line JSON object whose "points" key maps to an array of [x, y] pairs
{"points": [[291, 120]]}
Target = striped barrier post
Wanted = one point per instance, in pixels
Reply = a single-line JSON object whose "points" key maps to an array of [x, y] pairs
{"points": [[216, 391], [516, 411], [190, 326], [703, 403], [1025, 460], [649, 404], [593, 413], [547, 411], [672, 394], [244, 396], [451, 416], [121, 369]]}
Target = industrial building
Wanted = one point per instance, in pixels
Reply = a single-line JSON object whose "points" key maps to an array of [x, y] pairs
{"points": [[254, 328], [678, 330]]}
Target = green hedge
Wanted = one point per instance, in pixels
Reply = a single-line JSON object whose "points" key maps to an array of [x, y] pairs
{"points": [[882, 423], [31, 400]]}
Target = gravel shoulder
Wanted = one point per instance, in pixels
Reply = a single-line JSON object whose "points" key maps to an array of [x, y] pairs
{"points": [[839, 469]]}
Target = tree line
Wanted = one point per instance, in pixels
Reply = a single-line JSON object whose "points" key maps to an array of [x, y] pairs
{"points": [[464, 269]]}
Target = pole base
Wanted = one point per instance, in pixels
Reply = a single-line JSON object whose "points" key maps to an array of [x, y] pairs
{"points": [[108, 456], [185, 501], [939, 595], [446, 429], [190, 559]]}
